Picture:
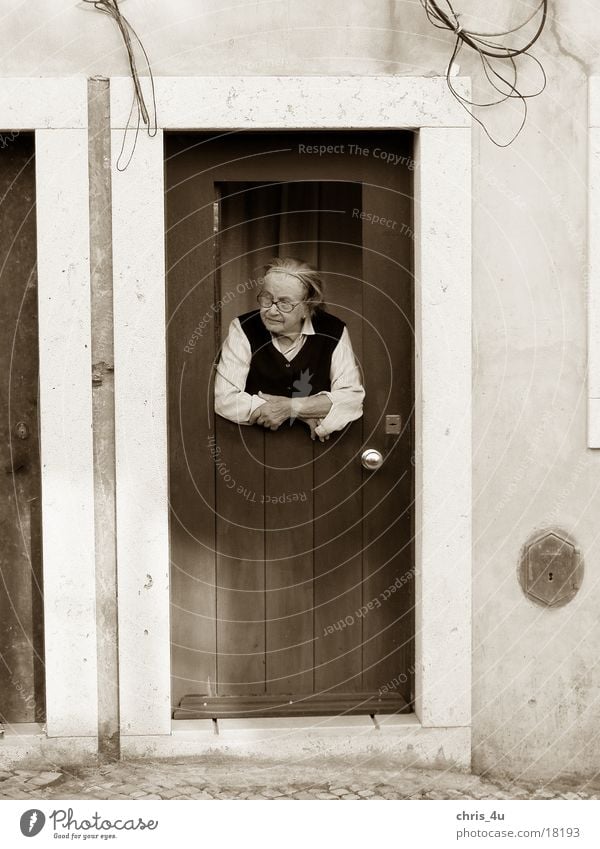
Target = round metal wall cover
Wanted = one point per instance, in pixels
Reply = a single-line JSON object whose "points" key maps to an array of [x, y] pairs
{"points": [[550, 568]]}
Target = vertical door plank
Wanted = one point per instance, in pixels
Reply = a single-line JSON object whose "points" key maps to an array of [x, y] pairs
{"points": [[289, 559], [191, 352], [240, 558], [388, 556], [338, 563], [338, 478]]}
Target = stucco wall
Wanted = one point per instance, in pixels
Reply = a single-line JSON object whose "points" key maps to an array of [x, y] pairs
{"points": [[536, 674], [536, 680]]}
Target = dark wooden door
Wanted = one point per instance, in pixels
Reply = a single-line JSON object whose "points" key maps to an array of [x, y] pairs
{"points": [[21, 599], [291, 565]]}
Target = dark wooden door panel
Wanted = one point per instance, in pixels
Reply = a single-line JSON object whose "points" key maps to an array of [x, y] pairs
{"points": [[240, 561], [190, 295], [388, 554], [291, 565], [338, 562], [338, 473], [21, 596], [289, 592]]}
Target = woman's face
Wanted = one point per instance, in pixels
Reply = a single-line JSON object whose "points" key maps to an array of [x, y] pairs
{"points": [[283, 287]]}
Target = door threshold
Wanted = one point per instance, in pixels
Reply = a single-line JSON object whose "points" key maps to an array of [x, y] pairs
{"points": [[399, 739], [224, 725], [301, 705]]}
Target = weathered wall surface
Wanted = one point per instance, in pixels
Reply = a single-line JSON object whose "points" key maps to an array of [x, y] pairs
{"points": [[536, 694], [536, 675]]}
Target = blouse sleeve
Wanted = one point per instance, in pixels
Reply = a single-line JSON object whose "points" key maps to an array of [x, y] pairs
{"points": [[347, 393], [231, 400]]}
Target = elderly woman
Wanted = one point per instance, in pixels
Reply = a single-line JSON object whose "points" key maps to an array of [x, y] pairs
{"points": [[289, 359]]}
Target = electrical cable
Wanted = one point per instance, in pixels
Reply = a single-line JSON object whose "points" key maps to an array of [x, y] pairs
{"points": [[111, 8], [448, 18], [489, 52]]}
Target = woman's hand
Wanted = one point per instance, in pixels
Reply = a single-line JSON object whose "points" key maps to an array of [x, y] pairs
{"points": [[313, 424], [276, 410]]}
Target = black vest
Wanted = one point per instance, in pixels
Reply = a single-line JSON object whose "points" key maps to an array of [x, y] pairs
{"points": [[308, 372]]}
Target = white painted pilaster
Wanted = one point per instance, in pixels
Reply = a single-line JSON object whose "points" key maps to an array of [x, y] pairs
{"points": [[141, 438], [66, 431], [443, 426]]}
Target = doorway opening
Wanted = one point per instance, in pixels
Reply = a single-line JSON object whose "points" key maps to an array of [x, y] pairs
{"points": [[292, 566], [22, 678]]}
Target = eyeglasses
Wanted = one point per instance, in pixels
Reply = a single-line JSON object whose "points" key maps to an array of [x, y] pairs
{"points": [[266, 301]]}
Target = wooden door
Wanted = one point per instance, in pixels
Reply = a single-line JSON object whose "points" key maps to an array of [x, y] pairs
{"points": [[21, 598], [291, 565]]}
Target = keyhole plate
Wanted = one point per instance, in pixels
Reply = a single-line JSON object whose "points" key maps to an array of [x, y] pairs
{"points": [[21, 430], [550, 568]]}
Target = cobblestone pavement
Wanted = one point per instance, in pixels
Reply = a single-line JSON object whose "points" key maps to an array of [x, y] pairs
{"points": [[241, 779]]}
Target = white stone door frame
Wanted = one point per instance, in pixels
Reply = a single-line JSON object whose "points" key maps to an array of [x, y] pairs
{"points": [[56, 110], [442, 379]]}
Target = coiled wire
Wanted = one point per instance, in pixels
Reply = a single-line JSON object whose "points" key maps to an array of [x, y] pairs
{"points": [[491, 49], [111, 8]]}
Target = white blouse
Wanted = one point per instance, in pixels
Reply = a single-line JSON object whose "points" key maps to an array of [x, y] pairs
{"points": [[233, 403]]}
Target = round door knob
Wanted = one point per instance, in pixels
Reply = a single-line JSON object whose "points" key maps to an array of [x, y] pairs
{"points": [[372, 459]]}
